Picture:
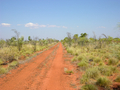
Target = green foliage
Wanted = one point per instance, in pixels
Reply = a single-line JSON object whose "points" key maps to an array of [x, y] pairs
{"points": [[2, 43], [107, 56], [3, 70], [112, 61], [92, 73], [89, 87], [83, 35], [107, 70], [80, 57], [103, 82], [29, 38], [83, 64], [74, 59], [13, 64], [84, 79], [69, 72], [1, 61], [101, 64], [97, 59], [117, 79], [20, 43]]}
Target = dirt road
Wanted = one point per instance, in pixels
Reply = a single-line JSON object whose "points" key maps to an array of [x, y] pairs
{"points": [[44, 72]]}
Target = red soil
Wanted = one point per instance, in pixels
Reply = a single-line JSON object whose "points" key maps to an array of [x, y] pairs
{"points": [[44, 72]]}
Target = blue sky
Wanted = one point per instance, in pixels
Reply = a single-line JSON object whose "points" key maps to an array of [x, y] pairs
{"points": [[54, 18]]}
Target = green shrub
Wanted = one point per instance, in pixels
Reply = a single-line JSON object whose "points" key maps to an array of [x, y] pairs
{"points": [[118, 56], [74, 59], [84, 79], [69, 51], [3, 70], [13, 64], [113, 69], [80, 57], [103, 82], [76, 54], [92, 73], [105, 70], [106, 56], [101, 64], [91, 57], [117, 79], [1, 61], [69, 72], [112, 61], [89, 87], [97, 59], [83, 64]]}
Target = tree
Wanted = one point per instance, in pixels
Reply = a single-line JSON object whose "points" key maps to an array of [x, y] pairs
{"points": [[19, 40], [2, 43], [83, 38], [29, 38], [75, 37], [69, 38], [34, 42], [83, 35]]}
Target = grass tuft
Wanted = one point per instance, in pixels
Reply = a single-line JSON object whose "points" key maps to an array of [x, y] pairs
{"points": [[3, 70], [112, 61], [103, 82], [117, 79], [89, 87]]}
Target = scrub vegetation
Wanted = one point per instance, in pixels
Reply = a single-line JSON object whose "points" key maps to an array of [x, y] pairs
{"points": [[97, 58], [16, 49]]}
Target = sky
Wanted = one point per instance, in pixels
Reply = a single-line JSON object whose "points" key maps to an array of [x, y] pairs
{"points": [[54, 18]]}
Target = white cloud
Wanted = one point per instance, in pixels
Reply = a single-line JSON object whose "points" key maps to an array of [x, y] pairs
{"points": [[101, 27], [42, 25], [64, 27], [34, 26], [53, 26], [77, 26], [6, 24]]}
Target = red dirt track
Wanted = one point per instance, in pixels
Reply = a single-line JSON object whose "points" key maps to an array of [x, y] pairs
{"points": [[44, 72]]}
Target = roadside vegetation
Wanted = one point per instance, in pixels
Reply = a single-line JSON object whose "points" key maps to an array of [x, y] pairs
{"points": [[97, 58], [16, 49]]}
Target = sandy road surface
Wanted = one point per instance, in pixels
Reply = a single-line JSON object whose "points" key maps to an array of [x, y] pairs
{"points": [[44, 72]]}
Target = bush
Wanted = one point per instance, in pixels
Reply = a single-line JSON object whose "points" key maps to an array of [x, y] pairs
{"points": [[92, 73], [106, 56], [84, 79], [105, 70], [69, 51], [13, 64], [113, 69], [69, 72], [117, 79], [112, 61], [103, 82], [1, 61], [3, 70], [83, 64], [80, 57], [89, 87], [74, 59], [91, 57], [101, 64], [97, 59]]}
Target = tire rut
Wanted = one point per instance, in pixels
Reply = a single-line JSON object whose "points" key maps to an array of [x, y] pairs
{"points": [[24, 76]]}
